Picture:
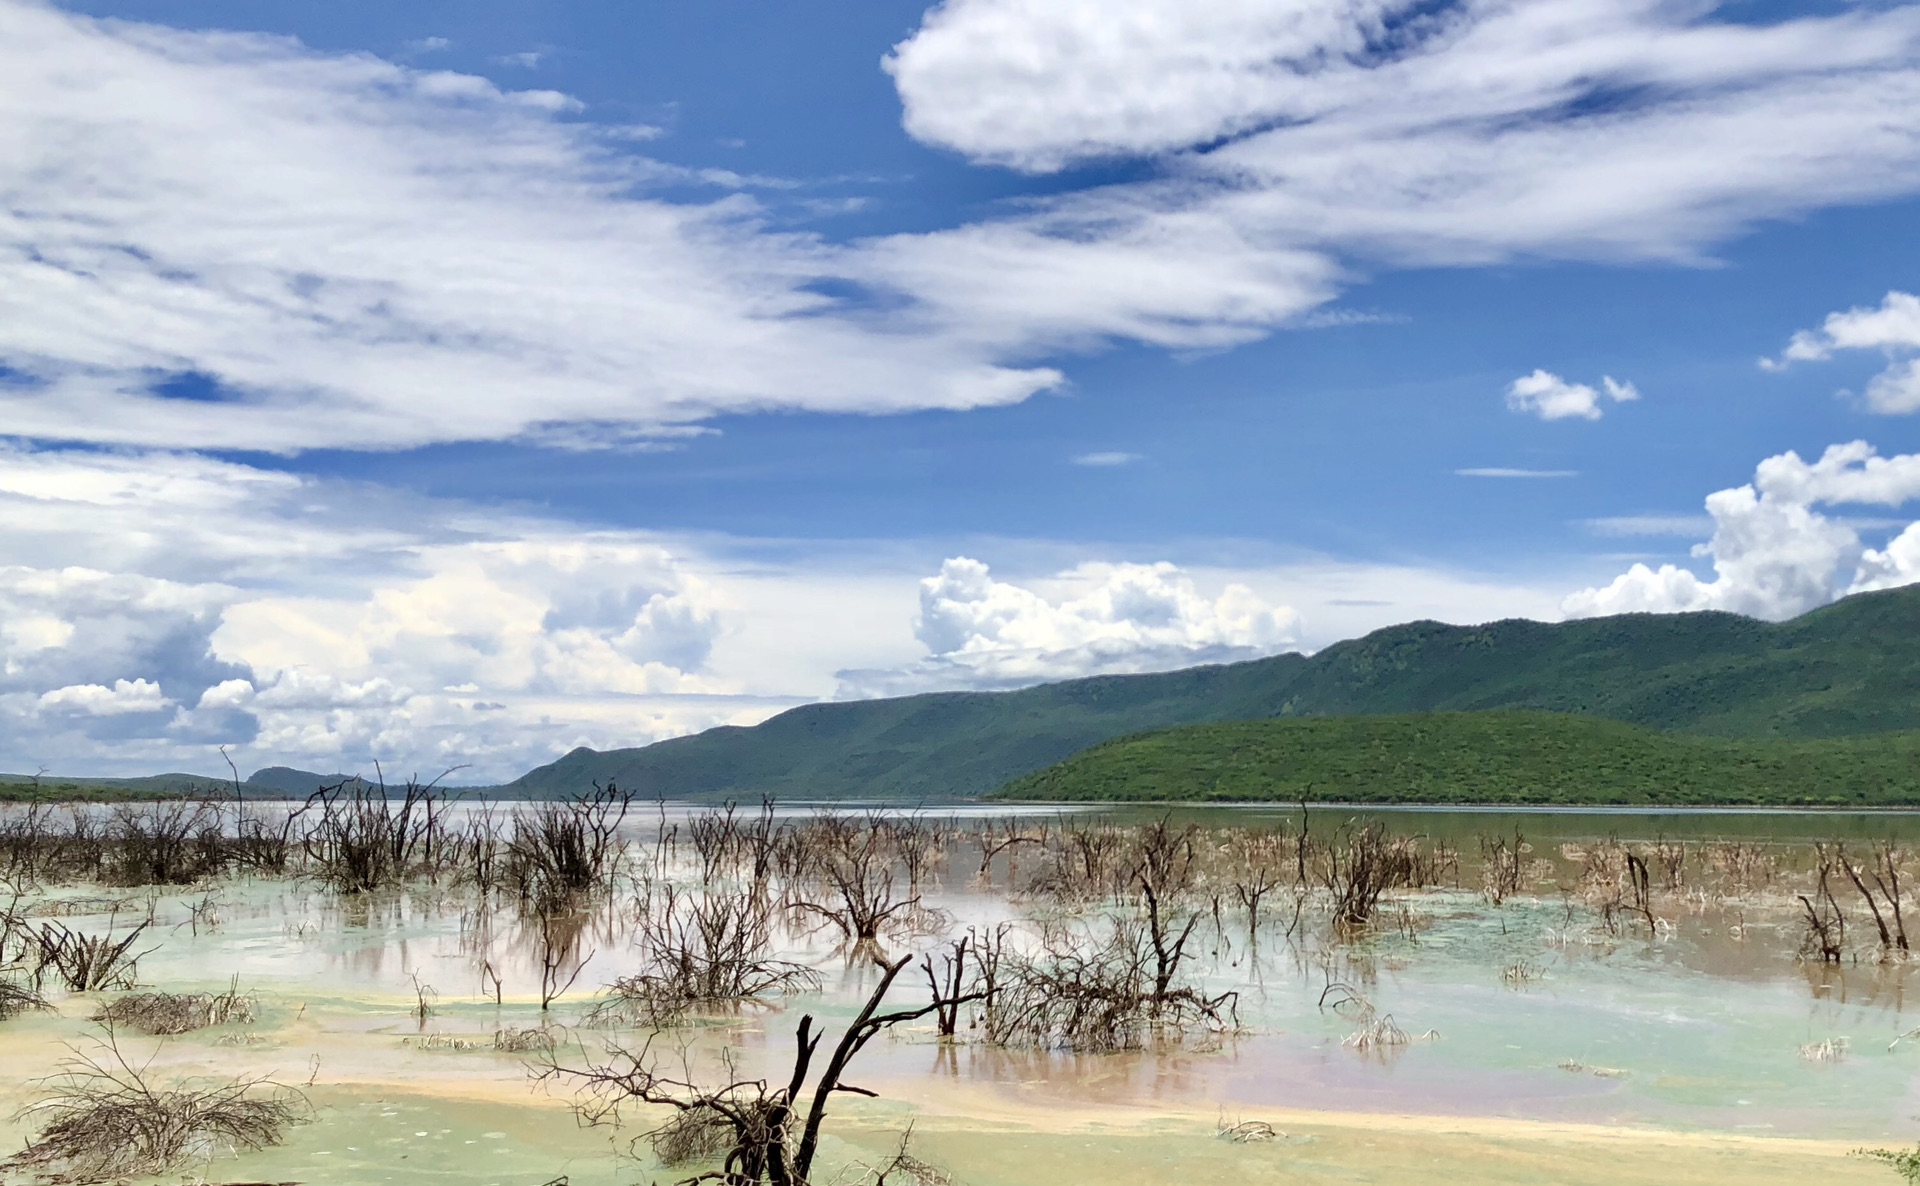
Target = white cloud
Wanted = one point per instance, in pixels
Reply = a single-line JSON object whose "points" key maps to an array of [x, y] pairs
{"points": [[223, 604], [1894, 325], [1051, 83], [1774, 553], [1893, 329], [1103, 618], [1893, 566], [1548, 396], [345, 252], [1105, 460], [124, 696], [163, 605], [1464, 132]]}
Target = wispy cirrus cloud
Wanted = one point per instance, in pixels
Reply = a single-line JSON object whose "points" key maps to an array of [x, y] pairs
{"points": [[1457, 132], [1630, 526], [229, 241]]}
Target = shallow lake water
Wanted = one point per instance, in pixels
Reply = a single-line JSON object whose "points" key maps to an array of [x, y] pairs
{"points": [[1551, 1039]]}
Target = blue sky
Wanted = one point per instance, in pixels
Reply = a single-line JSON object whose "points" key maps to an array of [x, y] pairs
{"points": [[454, 384]]}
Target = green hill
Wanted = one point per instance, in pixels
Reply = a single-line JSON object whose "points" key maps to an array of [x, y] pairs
{"points": [[1849, 669], [274, 782], [20, 788], [1481, 757]]}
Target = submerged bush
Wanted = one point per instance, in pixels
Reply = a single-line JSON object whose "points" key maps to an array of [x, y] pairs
{"points": [[163, 1013], [105, 1121], [86, 963], [702, 950], [17, 998]]}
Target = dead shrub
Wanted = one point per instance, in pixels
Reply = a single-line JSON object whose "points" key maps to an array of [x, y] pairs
{"points": [[360, 839], [1095, 992], [534, 1040], [17, 998], [696, 1134], [700, 951], [164, 1013], [86, 963], [1501, 869], [174, 843], [853, 862], [564, 850], [1363, 863], [105, 1121]]}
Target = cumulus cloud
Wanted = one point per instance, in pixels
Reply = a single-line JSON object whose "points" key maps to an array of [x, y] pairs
{"points": [[1775, 553], [1548, 396], [1104, 618], [1893, 329], [224, 604], [161, 605], [124, 696]]}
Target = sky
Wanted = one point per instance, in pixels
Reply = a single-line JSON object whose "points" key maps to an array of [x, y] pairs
{"points": [[455, 384]]}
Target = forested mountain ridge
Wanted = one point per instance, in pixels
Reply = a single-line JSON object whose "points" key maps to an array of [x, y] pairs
{"points": [[1846, 669]]}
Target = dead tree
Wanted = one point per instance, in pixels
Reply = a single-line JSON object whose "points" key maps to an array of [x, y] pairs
{"points": [[855, 867], [1826, 923], [1361, 865], [1500, 867], [1255, 873], [1885, 875], [1163, 872], [948, 983], [774, 1131], [1640, 884], [1000, 836], [559, 950], [1092, 992], [564, 850], [360, 839]]}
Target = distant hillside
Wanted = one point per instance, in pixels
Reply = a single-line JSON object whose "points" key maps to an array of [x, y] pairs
{"points": [[297, 784], [22, 787], [274, 782], [1482, 757], [1848, 669]]}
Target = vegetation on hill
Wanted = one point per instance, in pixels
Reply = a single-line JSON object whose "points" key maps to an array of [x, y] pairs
{"points": [[1482, 757], [20, 788], [1848, 669]]}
